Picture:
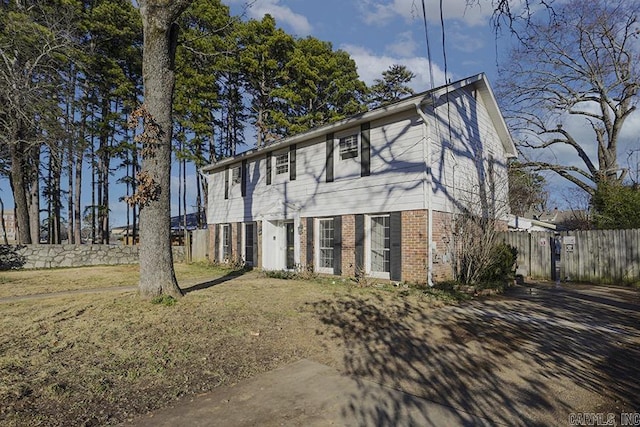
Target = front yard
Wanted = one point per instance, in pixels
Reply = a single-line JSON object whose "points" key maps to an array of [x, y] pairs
{"points": [[531, 357], [102, 358]]}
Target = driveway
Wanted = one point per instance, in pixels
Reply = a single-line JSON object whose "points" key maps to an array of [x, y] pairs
{"points": [[535, 356]]}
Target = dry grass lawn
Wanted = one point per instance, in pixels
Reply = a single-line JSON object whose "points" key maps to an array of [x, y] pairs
{"points": [[104, 358]]}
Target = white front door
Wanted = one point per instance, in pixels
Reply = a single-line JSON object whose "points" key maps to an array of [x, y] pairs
{"points": [[279, 245]]}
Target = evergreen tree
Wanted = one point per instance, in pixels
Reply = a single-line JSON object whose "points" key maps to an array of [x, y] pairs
{"points": [[265, 53], [392, 87], [323, 86]]}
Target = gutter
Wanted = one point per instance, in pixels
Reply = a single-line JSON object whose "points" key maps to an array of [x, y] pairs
{"points": [[427, 189]]}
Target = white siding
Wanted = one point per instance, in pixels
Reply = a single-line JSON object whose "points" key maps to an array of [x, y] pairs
{"points": [[395, 182], [462, 136], [460, 155]]}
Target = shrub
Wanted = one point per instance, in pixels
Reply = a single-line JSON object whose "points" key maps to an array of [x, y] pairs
{"points": [[502, 264]]}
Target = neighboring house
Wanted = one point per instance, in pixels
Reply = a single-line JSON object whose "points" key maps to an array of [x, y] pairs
{"points": [[8, 227], [369, 194], [519, 223]]}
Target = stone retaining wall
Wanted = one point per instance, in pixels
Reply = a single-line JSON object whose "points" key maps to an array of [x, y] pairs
{"points": [[52, 256]]}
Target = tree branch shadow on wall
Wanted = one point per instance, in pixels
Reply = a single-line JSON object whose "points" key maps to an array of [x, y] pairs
{"points": [[10, 258], [487, 361]]}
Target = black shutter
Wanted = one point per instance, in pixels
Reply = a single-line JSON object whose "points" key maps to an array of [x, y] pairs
{"points": [[269, 168], [226, 182], [337, 245], [395, 225], [365, 149], [239, 239], [309, 241], [216, 243], [329, 162], [243, 178], [292, 162], [359, 267]]}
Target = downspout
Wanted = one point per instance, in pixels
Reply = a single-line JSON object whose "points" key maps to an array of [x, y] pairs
{"points": [[427, 189]]}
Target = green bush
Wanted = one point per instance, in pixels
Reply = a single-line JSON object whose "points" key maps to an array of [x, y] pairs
{"points": [[502, 264]]}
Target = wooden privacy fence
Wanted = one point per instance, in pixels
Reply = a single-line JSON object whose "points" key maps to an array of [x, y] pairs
{"points": [[601, 256]]}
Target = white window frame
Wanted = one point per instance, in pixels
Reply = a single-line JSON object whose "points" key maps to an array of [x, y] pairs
{"points": [[349, 146], [317, 243], [224, 258], [236, 176], [281, 167], [367, 247]]}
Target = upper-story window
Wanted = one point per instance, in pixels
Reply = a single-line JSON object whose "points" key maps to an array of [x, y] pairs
{"points": [[349, 147], [282, 163], [235, 175]]}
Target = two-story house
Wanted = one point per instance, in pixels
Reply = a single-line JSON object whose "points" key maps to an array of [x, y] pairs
{"points": [[374, 194]]}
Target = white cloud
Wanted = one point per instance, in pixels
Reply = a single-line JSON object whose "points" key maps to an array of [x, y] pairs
{"points": [[371, 66], [282, 14], [462, 39], [403, 46], [380, 12]]}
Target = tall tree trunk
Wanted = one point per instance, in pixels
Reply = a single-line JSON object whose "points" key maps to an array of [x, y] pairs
{"points": [[77, 190], [70, 118], [77, 197], [19, 186], [157, 274], [93, 190], [34, 193], [5, 241]]}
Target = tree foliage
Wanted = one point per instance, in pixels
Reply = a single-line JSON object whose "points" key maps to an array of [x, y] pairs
{"points": [[582, 64], [526, 190], [616, 206], [392, 86]]}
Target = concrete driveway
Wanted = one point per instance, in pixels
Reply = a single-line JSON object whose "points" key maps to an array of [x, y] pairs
{"points": [[536, 356]]}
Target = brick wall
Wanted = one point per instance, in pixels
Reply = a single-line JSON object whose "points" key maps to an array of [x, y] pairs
{"points": [[349, 245], [414, 246], [213, 250], [444, 250]]}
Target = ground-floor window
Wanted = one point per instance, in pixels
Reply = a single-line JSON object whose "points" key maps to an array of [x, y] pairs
{"points": [[380, 244], [225, 242], [325, 244]]}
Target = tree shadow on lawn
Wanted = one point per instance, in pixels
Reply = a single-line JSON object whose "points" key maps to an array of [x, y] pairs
{"points": [[205, 285], [516, 361]]}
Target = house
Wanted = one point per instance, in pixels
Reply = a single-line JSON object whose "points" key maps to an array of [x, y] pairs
{"points": [[520, 223], [8, 227], [374, 194]]}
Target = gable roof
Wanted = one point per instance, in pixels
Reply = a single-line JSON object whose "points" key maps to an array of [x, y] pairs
{"points": [[424, 98]]}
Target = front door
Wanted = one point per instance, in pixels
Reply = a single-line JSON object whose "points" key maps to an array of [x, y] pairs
{"points": [[289, 254]]}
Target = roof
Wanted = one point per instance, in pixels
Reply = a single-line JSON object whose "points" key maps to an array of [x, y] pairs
{"points": [[423, 98]]}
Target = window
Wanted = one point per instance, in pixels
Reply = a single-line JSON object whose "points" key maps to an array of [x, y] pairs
{"points": [[326, 240], [235, 175], [226, 243], [282, 163], [380, 244], [349, 147]]}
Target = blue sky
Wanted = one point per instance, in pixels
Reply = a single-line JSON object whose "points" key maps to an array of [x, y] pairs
{"points": [[379, 33]]}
